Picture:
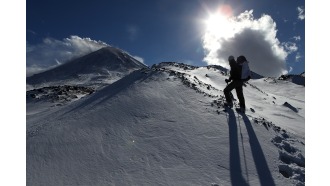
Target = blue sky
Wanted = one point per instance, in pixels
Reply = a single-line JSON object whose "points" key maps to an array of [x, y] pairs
{"points": [[271, 34], [30, 25]]}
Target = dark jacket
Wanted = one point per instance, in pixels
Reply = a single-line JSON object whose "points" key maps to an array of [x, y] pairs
{"points": [[235, 71]]}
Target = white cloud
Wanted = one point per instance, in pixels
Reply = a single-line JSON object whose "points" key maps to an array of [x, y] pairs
{"points": [[135, 57], [31, 32], [290, 47], [297, 38], [52, 52], [298, 57], [301, 13], [34, 69], [253, 38], [139, 59]]}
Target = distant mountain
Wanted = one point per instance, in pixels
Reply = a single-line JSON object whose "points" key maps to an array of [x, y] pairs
{"points": [[100, 67]]}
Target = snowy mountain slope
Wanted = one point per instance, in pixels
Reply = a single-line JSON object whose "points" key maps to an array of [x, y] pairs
{"points": [[166, 126], [266, 97], [101, 67], [286, 104], [297, 79], [50, 98]]}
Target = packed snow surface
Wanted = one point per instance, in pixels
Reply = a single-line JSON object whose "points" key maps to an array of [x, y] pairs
{"points": [[166, 125]]}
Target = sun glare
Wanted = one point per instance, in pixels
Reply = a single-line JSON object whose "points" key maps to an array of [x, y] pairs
{"points": [[218, 23]]}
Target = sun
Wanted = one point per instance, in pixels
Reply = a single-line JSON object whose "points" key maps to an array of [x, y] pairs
{"points": [[219, 23]]}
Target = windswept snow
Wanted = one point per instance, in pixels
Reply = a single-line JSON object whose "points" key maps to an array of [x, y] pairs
{"points": [[167, 126], [97, 69]]}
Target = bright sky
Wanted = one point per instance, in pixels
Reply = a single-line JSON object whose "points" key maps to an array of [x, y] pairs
{"points": [[271, 34]]}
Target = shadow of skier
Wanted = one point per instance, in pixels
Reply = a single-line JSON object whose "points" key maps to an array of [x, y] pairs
{"points": [[264, 174], [234, 157]]}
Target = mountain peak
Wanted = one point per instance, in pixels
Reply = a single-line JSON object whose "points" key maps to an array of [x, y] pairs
{"points": [[108, 63]]}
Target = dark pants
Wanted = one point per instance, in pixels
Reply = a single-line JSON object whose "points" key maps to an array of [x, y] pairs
{"points": [[238, 85]]}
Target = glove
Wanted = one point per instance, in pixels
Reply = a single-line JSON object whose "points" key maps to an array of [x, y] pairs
{"points": [[227, 80]]}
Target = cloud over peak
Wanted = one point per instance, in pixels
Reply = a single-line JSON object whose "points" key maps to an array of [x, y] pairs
{"points": [[52, 52]]}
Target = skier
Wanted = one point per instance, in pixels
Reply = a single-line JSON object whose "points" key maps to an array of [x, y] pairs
{"points": [[239, 73]]}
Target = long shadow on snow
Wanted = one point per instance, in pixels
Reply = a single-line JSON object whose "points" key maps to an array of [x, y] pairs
{"points": [[234, 157], [264, 174], [113, 89]]}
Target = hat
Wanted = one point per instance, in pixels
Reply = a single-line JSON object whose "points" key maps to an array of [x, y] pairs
{"points": [[231, 58]]}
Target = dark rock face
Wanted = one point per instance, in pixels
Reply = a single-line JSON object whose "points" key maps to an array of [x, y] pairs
{"points": [[297, 79], [58, 94]]}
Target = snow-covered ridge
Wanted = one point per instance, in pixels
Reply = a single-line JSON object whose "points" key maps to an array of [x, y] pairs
{"points": [[166, 125], [292, 159]]}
